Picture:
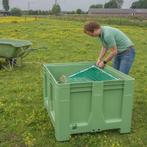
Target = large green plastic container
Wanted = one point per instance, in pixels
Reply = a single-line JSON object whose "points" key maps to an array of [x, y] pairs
{"points": [[87, 106]]}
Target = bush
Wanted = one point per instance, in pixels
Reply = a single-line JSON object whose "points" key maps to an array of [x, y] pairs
{"points": [[79, 11], [16, 12]]}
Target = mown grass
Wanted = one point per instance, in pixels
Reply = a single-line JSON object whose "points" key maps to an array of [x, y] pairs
{"points": [[23, 119], [113, 20]]}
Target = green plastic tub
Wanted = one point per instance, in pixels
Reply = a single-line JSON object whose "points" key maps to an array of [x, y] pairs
{"points": [[87, 105]]}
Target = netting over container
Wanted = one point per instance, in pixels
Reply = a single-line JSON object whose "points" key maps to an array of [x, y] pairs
{"points": [[92, 73]]}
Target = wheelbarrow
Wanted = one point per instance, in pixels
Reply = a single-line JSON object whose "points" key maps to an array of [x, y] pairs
{"points": [[11, 50]]}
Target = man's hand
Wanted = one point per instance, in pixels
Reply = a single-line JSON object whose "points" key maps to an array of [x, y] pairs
{"points": [[101, 56], [98, 62], [101, 65]]}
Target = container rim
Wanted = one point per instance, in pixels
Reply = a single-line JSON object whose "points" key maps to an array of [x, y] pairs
{"points": [[120, 74]]}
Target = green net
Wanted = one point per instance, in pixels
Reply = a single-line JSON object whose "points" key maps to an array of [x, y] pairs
{"points": [[92, 73]]}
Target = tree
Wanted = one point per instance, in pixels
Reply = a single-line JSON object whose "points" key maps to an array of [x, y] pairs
{"points": [[79, 11], [139, 4], [119, 3], [16, 12], [96, 6], [56, 9], [111, 4], [6, 5], [114, 4], [135, 5]]}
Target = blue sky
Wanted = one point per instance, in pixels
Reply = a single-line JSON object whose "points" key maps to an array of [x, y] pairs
{"points": [[65, 4]]}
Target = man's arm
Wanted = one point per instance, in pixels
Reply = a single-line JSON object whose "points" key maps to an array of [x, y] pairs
{"points": [[102, 54], [113, 53]]}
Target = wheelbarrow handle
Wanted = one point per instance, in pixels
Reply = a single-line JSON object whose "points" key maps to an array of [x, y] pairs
{"points": [[24, 53]]}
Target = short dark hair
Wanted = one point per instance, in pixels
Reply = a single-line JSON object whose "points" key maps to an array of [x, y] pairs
{"points": [[91, 26]]}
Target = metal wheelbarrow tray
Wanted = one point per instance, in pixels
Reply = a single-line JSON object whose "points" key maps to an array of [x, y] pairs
{"points": [[12, 49]]}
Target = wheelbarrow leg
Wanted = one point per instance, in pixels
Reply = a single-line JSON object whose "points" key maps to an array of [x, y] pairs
{"points": [[11, 62], [18, 62]]}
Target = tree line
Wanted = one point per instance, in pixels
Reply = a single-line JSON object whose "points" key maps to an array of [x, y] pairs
{"points": [[56, 9], [141, 4]]}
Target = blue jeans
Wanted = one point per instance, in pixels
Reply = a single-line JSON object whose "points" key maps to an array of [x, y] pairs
{"points": [[124, 61]]}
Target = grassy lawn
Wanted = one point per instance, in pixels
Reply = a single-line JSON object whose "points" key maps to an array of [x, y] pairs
{"points": [[23, 119]]}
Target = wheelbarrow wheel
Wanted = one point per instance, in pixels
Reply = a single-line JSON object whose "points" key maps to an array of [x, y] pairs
{"points": [[11, 61]]}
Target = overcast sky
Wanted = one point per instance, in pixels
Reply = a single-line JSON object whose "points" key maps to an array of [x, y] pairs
{"points": [[65, 4]]}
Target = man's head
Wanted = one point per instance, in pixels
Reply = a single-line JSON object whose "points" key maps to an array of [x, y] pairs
{"points": [[92, 29]]}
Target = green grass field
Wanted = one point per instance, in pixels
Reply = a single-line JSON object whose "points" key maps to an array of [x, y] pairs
{"points": [[23, 120]]}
